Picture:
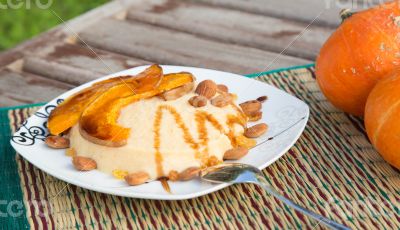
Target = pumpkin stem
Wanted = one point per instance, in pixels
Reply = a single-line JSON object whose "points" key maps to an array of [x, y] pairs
{"points": [[345, 13]]}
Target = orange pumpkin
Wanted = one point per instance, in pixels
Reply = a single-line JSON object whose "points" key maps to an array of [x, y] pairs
{"points": [[364, 49], [382, 118]]}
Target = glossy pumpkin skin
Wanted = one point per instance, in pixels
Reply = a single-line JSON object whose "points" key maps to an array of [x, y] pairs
{"points": [[382, 118], [363, 50]]}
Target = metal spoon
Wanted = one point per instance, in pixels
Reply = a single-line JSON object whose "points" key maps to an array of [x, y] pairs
{"points": [[235, 173]]}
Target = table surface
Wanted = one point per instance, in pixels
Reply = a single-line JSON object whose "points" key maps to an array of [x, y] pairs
{"points": [[241, 36]]}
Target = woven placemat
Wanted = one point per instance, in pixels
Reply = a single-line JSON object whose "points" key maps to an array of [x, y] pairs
{"points": [[332, 170]]}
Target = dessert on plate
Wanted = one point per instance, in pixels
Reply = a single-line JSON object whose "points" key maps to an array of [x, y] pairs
{"points": [[154, 125]]}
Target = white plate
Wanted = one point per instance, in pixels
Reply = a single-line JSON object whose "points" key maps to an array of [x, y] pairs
{"points": [[286, 116]]}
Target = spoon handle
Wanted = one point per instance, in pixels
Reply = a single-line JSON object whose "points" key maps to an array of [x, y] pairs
{"points": [[329, 223]]}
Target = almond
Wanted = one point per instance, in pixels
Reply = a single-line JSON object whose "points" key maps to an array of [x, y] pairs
{"points": [[57, 142], [206, 88], [256, 130], [256, 116], [173, 175], [198, 101], [236, 153], [262, 99], [222, 88], [137, 178], [250, 107], [177, 92], [221, 100], [189, 173], [84, 163]]}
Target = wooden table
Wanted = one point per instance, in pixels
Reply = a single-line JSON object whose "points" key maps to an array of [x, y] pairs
{"points": [[240, 36]]}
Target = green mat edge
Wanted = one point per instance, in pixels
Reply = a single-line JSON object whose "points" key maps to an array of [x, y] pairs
{"points": [[253, 75], [10, 179]]}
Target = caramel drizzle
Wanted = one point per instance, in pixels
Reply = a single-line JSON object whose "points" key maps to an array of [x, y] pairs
{"points": [[165, 185], [241, 117], [201, 118], [231, 121]]}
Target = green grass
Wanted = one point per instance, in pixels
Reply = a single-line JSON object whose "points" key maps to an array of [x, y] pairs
{"points": [[17, 25]]}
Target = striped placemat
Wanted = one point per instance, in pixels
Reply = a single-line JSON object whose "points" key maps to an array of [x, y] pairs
{"points": [[332, 170]]}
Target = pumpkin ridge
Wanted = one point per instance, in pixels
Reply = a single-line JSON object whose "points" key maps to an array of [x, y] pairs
{"points": [[383, 119]]}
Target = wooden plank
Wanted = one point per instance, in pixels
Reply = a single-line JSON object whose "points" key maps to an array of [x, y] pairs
{"points": [[234, 26], [92, 17], [298, 10], [23, 88], [76, 64], [166, 46], [47, 39], [67, 29]]}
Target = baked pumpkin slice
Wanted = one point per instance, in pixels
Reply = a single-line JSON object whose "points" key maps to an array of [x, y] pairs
{"points": [[67, 114], [98, 123], [149, 76]]}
